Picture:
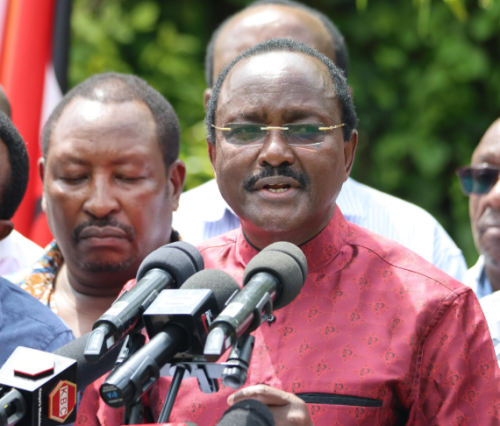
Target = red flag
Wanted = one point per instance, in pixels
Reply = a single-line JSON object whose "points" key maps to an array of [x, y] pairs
{"points": [[27, 74]]}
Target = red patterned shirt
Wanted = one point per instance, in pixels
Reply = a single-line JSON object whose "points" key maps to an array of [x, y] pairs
{"points": [[374, 322]]}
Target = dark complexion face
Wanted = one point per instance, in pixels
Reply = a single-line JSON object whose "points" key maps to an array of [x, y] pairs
{"points": [[266, 22], [485, 209], [107, 194], [281, 192]]}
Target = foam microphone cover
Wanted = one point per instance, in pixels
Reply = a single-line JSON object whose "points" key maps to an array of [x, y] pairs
{"points": [[286, 262], [221, 283], [87, 372], [180, 259], [248, 412]]}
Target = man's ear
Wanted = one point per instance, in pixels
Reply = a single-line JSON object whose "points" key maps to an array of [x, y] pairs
{"points": [[41, 168], [212, 154], [41, 173], [177, 176], [350, 152], [207, 94], [6, 227], [351, 91]]}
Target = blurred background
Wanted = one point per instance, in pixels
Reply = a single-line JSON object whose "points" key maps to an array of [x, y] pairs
{"points": [[425, 75]]}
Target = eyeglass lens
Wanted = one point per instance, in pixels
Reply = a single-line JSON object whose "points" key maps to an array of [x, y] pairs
{"points": [[478, 181], [296, 134]]}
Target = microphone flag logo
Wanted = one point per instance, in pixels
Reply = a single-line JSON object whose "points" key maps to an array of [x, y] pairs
{"points": [[62, 401]]}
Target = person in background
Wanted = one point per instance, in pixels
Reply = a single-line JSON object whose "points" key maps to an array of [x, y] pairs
{"points": [[377, 335], [111, 179], [16, 251], [23, 320], [204, 214], [480, 182]]}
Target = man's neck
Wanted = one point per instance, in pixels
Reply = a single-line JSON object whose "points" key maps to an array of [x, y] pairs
{"points": [[493, 274], [260, 238], [80, 304]]}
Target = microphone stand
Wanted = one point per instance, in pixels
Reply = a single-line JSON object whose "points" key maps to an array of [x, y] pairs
{"points": [[233, 373], [172, 394]]}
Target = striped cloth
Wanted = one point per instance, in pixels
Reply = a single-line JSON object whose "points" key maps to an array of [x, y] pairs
{"points": [[204, 214]]}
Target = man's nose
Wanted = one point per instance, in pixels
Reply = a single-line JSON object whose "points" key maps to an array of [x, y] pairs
{"points": [[101, 200], [276, 150]]}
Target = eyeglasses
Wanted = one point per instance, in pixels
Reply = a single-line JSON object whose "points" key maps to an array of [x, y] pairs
{"points": [[479, 179], [296, 134]]}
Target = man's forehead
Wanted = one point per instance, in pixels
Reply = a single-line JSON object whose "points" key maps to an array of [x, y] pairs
{"points": [[278, 67], [262, 23], [83, 115], [290, 76], [489, 146]]}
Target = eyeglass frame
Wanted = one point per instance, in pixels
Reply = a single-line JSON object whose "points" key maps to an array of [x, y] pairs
{"points": [[326, 128], [478, 167]]}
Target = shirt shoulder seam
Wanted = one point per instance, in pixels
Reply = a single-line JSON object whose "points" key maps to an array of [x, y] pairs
{"points": [[227, 243], [456, 291]]}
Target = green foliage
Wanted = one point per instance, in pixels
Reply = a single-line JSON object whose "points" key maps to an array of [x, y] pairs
{"points": [[425, 83]]}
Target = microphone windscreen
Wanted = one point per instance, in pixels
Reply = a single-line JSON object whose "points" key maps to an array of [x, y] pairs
{"points": [[293, 251], [87, 372], [221, 283], [180, 259], [288, 264], [248, 412]]}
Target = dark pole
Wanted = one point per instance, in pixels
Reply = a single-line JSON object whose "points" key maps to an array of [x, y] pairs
{"points": [[61, 42]]}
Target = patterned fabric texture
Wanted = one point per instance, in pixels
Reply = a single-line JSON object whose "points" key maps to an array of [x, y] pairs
{"points": [[374, 321], [38, 279]]}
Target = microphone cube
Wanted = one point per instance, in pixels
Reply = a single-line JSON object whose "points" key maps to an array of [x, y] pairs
{"points": [[192, 309], [48, 387]]}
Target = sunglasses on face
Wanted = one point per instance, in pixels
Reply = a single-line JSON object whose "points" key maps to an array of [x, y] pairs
{"points": [[297, 134], [479, 179]]}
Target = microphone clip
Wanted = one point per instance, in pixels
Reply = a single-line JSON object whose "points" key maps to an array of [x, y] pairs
{"points": [[263, 311]]}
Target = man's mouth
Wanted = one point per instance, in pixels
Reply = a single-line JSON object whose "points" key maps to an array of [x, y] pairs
{"points": [[277, 188], [276, 184], [102, 229], [102, 232]]}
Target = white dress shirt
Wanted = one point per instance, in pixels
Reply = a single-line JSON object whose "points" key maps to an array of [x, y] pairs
{"points": [[476, 279], [204, 214], [490, 305], [17, 252]]}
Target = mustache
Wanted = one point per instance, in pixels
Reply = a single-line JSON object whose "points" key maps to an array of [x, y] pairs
{"points": [[282, 170], [101, 223]]}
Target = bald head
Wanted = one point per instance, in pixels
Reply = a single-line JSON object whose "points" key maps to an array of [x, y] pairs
{"points": [[262, 23], [488, 150], [266, 20], [4, 103]]}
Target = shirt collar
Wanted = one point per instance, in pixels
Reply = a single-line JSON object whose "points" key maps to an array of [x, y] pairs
{"points": [[476, 279], [214, 206], [320, 250]]}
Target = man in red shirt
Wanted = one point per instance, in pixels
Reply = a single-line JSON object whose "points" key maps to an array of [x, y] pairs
{"points": [[377, 336]]}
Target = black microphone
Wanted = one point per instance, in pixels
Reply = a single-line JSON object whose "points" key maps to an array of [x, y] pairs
{"points": [[88, 372], [273, 278], [167, 267], [178, 322], [248, 412]]}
